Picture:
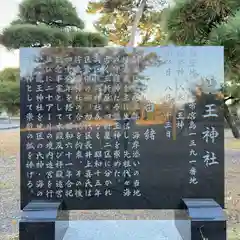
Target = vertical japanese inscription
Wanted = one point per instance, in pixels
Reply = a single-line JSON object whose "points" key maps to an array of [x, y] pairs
{"points": [[83, 139], [210, 135], [73, 149], [193, 154]]}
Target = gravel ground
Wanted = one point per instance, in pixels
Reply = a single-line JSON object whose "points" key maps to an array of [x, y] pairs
{"points": [[9, 195], [9, 192]]}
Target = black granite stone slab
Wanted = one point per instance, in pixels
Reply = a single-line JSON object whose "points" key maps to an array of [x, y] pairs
{"points": [[203, 218], [58, 169], [43, 220]]}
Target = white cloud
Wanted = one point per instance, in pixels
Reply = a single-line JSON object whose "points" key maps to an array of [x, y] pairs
{"points": [[8, 59], [9, 11]]}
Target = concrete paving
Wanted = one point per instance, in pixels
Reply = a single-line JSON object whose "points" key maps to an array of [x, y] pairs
{"points": [[127, 230]]}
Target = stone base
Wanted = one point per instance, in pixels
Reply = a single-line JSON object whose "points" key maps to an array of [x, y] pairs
{"points": [[204, 218], [43, 220]]}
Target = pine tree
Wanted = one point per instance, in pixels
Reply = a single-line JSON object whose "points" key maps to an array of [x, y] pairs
{"points": [[9, 90], [48, 23], [117, 18], [208, 22]]}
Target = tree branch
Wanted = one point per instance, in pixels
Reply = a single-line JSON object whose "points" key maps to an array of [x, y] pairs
{"points": [[136, 22]]}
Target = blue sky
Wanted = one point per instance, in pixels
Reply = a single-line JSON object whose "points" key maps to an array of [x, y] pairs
{"points": [[208, 62]]}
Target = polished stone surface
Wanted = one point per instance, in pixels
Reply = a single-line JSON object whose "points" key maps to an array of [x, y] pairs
{"points": [[164, 166]]}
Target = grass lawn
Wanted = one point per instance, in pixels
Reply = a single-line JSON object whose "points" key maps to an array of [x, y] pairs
{"points": [[233, 144], [9, 143]]}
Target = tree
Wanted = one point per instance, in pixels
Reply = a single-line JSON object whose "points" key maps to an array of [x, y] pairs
{"points": [[137, 19], [45, 23], [119, 19], [9, 90], [207, 22], [105, 76], [48, 23]]}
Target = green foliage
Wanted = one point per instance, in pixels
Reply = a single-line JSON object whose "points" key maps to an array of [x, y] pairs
{"points": [[191, 21], [9, 74], [9, 90], [60, 13], [85, 39], [228, 35], [41, 23], [48, 23], [117, 18], [27, 35], [208, 22]]}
